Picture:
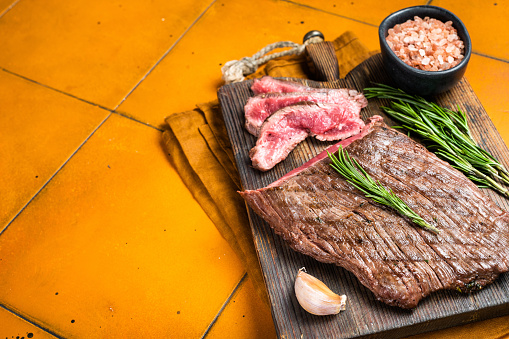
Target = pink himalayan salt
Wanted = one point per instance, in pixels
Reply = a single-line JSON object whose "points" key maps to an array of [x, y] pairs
{"points": [[427, 44]]}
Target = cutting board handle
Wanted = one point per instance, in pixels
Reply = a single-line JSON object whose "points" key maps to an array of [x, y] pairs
{"points": [[324, 62]]}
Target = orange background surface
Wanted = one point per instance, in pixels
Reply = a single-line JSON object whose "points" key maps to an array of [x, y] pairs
{"points": [[99, 237]]}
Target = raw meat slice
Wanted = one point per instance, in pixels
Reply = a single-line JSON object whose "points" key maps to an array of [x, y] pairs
{"points": [[259, 107], [286, 128], [269, 84]]}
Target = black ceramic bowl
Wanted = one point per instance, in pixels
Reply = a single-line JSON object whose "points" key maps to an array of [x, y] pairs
{"points": [[413, 80]]}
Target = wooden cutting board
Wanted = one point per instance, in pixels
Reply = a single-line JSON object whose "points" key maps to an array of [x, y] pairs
{"points": [[365, 316]]}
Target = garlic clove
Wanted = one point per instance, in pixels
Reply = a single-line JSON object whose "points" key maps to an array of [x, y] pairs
{"points": [[315, 297]]}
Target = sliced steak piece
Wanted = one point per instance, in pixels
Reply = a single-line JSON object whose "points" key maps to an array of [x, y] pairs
{"points": [[268, 84], [286, 128], [321, 215], [259, 107]]}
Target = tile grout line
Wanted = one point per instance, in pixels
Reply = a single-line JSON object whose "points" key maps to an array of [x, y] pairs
{"points": [[327, 12], [79, 99], [165, 54], [29, 321], [227, 301], [54, 174], [56, 90], [124, 115], [490, 57], [9, 8]]}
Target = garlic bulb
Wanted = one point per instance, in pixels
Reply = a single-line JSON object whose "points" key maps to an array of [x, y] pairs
{"points": [[315, 297]]}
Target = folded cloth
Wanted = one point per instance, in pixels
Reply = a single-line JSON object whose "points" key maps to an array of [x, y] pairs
{"points": [[200, 151]]}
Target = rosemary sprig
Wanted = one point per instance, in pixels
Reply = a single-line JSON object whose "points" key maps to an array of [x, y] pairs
{"points": [[446, 132], [357, 176]]}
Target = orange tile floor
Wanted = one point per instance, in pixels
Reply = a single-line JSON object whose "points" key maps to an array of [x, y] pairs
{"points": [[99, 237]]}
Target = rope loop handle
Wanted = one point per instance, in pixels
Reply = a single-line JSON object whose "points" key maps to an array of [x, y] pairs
{"points": [[235, 70]]}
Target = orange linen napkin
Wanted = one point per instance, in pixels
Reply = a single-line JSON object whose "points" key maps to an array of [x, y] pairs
{"points": [[200, 151]]}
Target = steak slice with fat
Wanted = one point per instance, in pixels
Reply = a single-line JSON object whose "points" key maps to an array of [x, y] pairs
{"points": [[321, 215], [268, 84], [259, 107], [286, 128]]}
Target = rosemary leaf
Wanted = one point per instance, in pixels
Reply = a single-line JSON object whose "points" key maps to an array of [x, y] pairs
{"points": [[446, 132], [350, 169]]}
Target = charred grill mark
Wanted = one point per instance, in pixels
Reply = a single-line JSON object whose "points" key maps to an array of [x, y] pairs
{"points": [[367, 237], [445, 218], [363, 217], [345, 245], [406, 260]]}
